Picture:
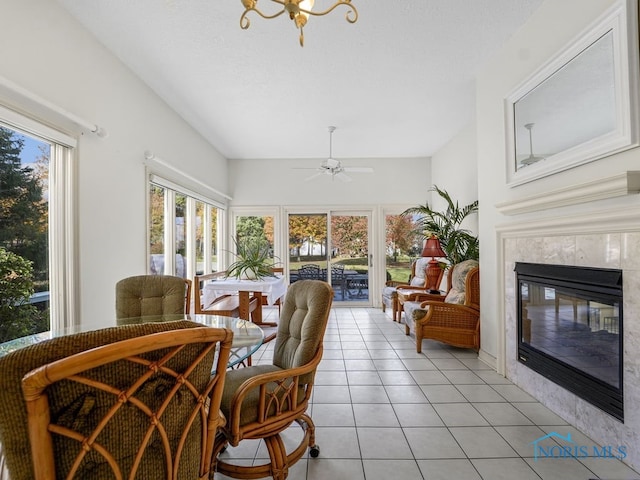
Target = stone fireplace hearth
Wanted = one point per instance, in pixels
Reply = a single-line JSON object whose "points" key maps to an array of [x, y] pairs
{"points": [[608, 239]]}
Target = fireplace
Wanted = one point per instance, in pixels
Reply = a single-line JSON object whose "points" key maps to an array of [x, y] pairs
{"points": [[570, 329]]}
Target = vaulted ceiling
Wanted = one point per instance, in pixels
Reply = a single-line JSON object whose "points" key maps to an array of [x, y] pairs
{"points": [[397, 83]]}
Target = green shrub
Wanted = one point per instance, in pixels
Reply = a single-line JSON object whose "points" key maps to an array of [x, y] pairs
{"points": [[17, 316]]}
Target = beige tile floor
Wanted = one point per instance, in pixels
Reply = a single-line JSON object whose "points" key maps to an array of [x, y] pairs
{"points": [[384, 412]]}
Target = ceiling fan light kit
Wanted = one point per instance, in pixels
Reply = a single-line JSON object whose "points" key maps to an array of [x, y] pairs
{"points": [[297, 10]]}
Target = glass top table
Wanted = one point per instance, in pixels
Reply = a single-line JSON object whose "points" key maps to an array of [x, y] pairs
{"points": [[247, 336]]}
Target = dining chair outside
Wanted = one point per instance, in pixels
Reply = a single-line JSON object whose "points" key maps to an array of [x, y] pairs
{"points": [[310, 271]]}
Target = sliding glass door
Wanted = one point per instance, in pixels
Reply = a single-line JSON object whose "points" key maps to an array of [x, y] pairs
{"points": [[334, 247]]}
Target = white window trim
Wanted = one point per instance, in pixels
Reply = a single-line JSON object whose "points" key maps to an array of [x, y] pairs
{"points": [[171, 189]]}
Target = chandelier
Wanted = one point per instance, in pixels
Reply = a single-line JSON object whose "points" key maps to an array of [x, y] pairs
{"points": [[298, 10]]}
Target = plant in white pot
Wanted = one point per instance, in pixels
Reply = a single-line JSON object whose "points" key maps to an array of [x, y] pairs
{"points": [[253, 259]]}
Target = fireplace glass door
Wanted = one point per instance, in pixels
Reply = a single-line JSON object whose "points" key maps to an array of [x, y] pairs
{"points": [[570, 326], [577, 331]]}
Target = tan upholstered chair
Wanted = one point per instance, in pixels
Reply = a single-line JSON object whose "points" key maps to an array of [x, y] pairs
{"points": [[136, 398], [261, 401], [456, 320], [417, 281], [162, 296]]}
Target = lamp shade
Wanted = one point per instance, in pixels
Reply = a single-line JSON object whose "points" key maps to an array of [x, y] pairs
{"points": [[432, 248]]}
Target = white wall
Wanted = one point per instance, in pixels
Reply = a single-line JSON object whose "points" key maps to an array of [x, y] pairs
{"points": [[282, 182], [454, 168], [47, 52], [394, 185], [547, 32]]}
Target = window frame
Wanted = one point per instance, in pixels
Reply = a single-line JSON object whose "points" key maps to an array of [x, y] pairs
{"points": [[63, 267], [173, 187]]}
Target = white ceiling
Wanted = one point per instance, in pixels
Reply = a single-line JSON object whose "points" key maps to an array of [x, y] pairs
{"points": [[398, 83]]}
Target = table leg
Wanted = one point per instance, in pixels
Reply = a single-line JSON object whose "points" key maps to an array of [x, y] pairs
{"points": [[244, 305], [256, 315]]}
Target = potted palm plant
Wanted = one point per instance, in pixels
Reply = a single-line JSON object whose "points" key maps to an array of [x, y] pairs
{"points": [[458, 243], [253, 259]]}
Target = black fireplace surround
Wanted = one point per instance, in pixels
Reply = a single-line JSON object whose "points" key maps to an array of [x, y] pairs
{"points": [[570, 330]]}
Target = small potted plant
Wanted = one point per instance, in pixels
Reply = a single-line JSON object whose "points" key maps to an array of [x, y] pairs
{"points": [[253, 259]]}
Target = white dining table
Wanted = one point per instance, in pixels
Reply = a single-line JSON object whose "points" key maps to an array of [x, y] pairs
{"points": [[272, 288]]}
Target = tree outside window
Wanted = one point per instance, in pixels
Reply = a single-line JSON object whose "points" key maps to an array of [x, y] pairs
{"points": [[24, 261]]}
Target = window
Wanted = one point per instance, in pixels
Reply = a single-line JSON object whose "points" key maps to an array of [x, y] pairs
{"points": [[256, 227], [36, 233], [260, 222], [183, 230], [402, 246]]}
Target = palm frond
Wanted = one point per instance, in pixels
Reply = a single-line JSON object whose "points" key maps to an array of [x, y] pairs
{"points": [[458, 243]]}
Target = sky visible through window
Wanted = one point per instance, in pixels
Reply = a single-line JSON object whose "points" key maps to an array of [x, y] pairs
{"points": [[31, 149]]}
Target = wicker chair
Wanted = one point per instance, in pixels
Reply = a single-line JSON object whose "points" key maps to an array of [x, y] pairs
{"points": [[261, 401], [456, 320], [417, 281], [162, 296], [122, 402]]}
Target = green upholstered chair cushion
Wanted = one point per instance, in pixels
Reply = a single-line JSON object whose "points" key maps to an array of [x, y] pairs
{"points": [[150, 295], [302, 324], [235, 378]]}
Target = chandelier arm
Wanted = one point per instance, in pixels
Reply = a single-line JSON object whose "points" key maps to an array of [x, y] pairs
{"points": [[244, 20], [351, 16]]}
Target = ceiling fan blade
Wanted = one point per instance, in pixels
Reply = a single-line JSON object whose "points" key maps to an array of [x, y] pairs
{"points": [[343, 176], [315, 175], [358, 169]]}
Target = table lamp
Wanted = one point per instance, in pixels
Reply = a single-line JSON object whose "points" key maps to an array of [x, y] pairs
{"points": [[432, 248]]}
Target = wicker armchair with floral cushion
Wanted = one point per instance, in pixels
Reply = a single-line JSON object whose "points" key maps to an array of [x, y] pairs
{"points": [[456, 320], [417, 281]]}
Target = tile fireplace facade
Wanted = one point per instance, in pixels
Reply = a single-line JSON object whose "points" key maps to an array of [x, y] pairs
{"points": [[613, 242]]}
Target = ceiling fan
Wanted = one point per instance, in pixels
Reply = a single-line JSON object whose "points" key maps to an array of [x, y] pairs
{"points": [[334, 167]]}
